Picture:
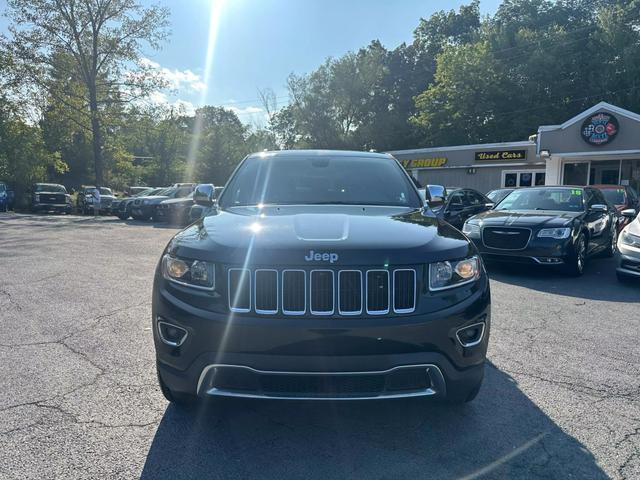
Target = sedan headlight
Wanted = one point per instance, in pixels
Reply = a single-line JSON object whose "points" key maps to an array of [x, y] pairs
{"points": [[191, 273], [557, 233], [629, 239], [471, 230], [450, 274]]}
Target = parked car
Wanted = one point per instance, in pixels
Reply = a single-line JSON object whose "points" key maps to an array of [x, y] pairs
{"points": [[325, 264], [623, 197], [460, 204], [201, 210], [629, 246], [497, 195], [132, 191], [50, 197], [144, 208], [551, 225], [122, 207], [85, 200], [4, 197], [175, 211]]}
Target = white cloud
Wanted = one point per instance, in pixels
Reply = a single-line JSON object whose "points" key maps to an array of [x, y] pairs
{"points": [[251, 114], [180, 80]]}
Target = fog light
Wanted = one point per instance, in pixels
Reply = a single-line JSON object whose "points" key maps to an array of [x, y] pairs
{"points": [[471, 335], [171, 334]]}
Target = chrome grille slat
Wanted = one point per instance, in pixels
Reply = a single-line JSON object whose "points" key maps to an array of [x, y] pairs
{"points": [[322, 292], [294, 292], [239, 290], [349, 292], [377, 292], [404, 290], [322, 289], [265, 291]]}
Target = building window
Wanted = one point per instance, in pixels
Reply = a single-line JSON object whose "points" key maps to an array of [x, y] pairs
{"points": [[522, 178], [575, 173]]}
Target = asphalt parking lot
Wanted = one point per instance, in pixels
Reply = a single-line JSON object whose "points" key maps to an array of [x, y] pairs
{"points": [[79, 399]]}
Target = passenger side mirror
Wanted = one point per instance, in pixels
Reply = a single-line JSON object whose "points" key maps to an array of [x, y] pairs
{"points": [[599, 208], [489, 205], [204, 194], [629, 213]]}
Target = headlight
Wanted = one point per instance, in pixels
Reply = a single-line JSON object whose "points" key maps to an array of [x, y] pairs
{"points": [[192, 273], [68, 198], [471, 230], [443, 275], [557, 233], [630, 240]]}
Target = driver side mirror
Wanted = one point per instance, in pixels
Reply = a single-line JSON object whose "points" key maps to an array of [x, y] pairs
{"points": [[599, 208], [629, 213], [204, 195], [435, 202]]}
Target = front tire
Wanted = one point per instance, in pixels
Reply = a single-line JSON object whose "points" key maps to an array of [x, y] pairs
{"points": [[613, 244], [578, 257]]}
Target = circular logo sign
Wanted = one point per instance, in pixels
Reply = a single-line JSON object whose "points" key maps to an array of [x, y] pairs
{"points": [[600, 129]]}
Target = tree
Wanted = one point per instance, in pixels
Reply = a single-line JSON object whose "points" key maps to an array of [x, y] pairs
{"points": [[222, 145], [101, 39]]}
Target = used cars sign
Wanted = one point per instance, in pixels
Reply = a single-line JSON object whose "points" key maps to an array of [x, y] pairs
{"points": [[501, 155]]}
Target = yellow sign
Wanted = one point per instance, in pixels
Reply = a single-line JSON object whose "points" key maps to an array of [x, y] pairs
{"points": [[424, 162]]}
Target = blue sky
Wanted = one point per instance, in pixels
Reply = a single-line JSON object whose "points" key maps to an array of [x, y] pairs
{"points": [[260, 42]]}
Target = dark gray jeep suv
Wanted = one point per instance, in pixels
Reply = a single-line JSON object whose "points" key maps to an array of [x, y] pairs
{"points": [[320, 275]]}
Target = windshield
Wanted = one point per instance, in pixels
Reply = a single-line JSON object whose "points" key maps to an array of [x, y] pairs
{"points": [[497, 196], [320, 180], [45, 187], [143, 193], [617, 196], [558, 199]]}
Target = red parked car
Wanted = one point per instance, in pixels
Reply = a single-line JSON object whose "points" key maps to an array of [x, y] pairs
{"points": [[623, 197]]}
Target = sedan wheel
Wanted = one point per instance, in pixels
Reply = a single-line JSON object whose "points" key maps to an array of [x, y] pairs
{"points": [[613, 246], [578, 258]]}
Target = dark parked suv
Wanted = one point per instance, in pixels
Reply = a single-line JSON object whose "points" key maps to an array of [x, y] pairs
{"points": [[320, 275], [50, 197]]}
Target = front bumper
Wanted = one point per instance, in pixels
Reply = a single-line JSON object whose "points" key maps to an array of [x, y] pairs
{"points": [[51, 207], [629, 265], [327, 352], [143, 211], [539, 251]]}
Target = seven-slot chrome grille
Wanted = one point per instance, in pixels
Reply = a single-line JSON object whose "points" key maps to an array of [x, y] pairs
{"points": [[322, 292]]}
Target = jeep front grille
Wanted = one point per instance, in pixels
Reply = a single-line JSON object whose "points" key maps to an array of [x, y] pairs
{"points": [[322, 292]]}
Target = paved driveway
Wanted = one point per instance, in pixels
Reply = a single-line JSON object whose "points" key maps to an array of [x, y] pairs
{"points": [[79, 397]]}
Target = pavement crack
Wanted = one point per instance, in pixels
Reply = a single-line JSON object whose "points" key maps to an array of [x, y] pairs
{"points": [[9, 300]]}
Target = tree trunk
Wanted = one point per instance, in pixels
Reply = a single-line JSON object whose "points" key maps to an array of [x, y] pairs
{"points": [[97, 137]]}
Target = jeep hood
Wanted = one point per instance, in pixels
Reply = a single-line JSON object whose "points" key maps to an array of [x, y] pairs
{"points": [[360, 236]]}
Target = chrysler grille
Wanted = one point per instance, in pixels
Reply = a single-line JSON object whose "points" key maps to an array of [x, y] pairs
{"points": [[322, 291], [506, 238]]}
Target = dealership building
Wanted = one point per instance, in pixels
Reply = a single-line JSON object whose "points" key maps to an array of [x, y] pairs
{"points": [[599, 146]]}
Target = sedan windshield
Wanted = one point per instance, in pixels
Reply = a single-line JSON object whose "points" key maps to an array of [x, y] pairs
{"points": [[558, 199], [320, 180], [617, 196]]}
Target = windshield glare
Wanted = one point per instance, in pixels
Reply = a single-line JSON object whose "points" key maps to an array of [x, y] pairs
{"points": [[558, 199], [320, 180], [616, 196], [50, 188]]}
